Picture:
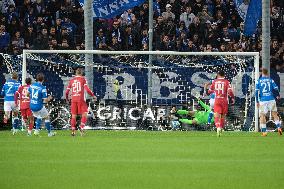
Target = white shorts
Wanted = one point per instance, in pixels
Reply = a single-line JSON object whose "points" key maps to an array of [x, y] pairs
{"points": [[211, 102], [10, 106], [267, 106], [43, 113]]}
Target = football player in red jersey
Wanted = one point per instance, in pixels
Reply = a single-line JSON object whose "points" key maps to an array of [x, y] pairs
{"points": [[26, 112], [78, 85], [222, 88]]}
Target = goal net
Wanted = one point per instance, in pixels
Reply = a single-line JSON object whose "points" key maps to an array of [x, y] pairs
{"points": [[135, 94]]}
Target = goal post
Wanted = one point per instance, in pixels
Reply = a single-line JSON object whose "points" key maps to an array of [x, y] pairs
{"points": [[255, 56]]}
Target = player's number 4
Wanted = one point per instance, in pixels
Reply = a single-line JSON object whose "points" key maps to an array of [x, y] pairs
{"points": [[76, 87]]}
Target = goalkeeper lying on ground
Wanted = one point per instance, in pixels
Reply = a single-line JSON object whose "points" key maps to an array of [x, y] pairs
{"points": [[198, 117]]}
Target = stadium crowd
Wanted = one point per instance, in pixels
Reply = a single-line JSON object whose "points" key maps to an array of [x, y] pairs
{"points": [[180, 25]]}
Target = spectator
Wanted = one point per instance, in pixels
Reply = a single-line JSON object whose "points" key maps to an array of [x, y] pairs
{"points": [[41, 42], [39, 7], [126, 17], [114, 46], [223, 48], [145, 37], [168, 14], [197, 6], [187, 16], [52, 33], [70, 26], [181, 28], [53, 45], [100, 38], [191, 47], [58, 25], [11, 13], [67, 36], [4, 4], [64, 45], [29, 17], [131, 41], [13, 26], [4, 39], [29, 36], [170, 28], [196, 27], [204, 16], [167, 44], [159, 29], [17, 41], [196, 40], [182, 38], [117, 31]]}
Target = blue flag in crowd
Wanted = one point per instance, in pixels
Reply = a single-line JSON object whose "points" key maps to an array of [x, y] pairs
{"points": [[112, 8], [250, 12]]}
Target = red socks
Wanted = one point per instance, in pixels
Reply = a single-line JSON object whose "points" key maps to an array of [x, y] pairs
{"points": [[222, 122], [73, 123], [217, 121], [83, 122]]}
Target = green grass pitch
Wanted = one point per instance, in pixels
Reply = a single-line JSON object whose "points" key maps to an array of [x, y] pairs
{"points": [[141, 159]]}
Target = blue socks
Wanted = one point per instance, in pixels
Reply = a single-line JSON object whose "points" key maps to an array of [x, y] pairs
{"points": [[47, 126], [263, 127], [210, 117], [15, 122], [38, 123], [278, 124]]}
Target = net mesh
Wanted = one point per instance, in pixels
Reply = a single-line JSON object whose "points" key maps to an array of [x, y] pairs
{"points": [[121, 84]]}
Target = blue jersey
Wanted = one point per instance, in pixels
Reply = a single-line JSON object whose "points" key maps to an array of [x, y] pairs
{"points": [[37, 94], [9, 89], [212, 96], [264, 89]]}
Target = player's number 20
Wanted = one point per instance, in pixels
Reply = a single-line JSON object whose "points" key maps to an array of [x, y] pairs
{"points": [[76, 87]]}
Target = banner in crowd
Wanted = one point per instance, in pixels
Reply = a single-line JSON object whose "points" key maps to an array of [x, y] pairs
{"points": [[250, 11], [112, 8]]}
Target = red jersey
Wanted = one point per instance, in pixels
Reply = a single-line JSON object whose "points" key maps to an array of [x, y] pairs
{"points": [[24, 99], [222, 88], [78, 85]]}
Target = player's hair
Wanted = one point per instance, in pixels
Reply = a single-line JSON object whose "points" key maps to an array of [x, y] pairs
{"points": [[79, 71], [264, 71], [14, 75], [40, 77], [221, 73], [28, 81]]}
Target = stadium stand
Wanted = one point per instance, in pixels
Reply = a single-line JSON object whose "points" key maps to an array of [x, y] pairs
{"points": [[180, 25]]}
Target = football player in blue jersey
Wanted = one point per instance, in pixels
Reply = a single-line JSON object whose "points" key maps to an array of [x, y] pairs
{"points": [[8, 91], [38, 99], [266, 101]]}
